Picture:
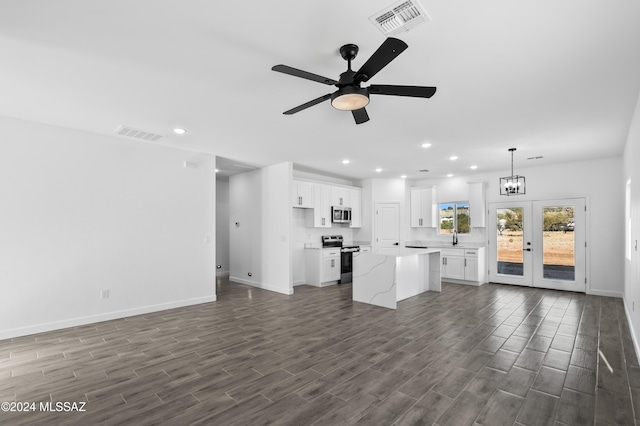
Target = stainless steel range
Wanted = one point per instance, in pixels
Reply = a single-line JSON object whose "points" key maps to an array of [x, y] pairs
{"points": [[346, 255]]}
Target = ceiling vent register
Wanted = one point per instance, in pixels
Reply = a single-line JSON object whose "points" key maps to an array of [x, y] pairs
{"points": [[401, 16], [130, 132]]}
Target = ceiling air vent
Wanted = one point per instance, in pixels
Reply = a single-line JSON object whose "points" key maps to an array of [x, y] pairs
{"points": [[401, 16], [423, 171], [130, 132]]}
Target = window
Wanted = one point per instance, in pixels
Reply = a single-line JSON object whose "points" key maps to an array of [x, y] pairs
{"points": [[454, 215]]}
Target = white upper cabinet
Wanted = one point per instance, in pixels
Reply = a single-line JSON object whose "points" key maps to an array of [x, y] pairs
{"points": [[423, 207], [319, 197], [340, 196], [322, 206], [477, 204], [302, 194], [355, 198]]}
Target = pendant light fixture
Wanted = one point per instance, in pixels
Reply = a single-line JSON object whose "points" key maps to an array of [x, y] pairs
{"points": [[514, 184]]}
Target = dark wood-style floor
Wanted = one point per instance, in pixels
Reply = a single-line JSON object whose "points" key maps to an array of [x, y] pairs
{"points": [[493, 355]]}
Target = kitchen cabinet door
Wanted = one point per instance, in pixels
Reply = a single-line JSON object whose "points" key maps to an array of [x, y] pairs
{"points": [[471, 268], [330, 269], [423, 210], [355, 198], [322, 206], [453, 267], [477, 207], [302, 194], [340, 196]]}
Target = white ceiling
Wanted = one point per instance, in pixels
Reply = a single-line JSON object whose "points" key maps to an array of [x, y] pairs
{"points": [[557, 79]]}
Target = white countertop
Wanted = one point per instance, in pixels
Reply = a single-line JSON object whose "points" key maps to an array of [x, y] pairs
{"points": [[443, 244], [406, 252]]}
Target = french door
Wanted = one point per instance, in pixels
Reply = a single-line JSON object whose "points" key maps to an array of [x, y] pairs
{"points": [[538, 243]]}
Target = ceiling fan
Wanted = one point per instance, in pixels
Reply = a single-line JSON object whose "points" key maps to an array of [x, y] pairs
{"points": [[350, 96]]}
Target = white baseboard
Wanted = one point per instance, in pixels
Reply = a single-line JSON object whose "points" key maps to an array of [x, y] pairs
{"points": [[90, 319], [299, 282], [633, 332], [606, 293], [261, 285], [222, 273]]}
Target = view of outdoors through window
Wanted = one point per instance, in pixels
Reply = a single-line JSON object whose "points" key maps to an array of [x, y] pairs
{"points": [[454, 215], [558, 242]]}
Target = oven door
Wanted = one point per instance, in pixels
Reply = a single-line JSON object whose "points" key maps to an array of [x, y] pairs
{"points": [[346, 266]]}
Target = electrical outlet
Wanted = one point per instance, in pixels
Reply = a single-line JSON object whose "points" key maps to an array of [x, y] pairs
{"points": [[104, 294]]}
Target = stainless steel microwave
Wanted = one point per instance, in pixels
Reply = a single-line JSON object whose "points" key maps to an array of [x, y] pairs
{"points": [[340, 214]]}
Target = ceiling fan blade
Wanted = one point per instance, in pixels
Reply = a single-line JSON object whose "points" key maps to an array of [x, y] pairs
{"points": [[303, 74], [414, 91], [360, 115], [308, 104], [387, 52]]}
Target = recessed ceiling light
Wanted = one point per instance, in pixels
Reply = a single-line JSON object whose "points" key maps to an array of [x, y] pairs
{"points": [[473, 167], [403, 176], [179, 131], [345, 161], [453, 158], [449, 175], [426, 145], [378, 170]]}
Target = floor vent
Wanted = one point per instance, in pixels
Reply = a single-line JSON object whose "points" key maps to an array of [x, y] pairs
{"points": [[401, 16], [130, 132]]}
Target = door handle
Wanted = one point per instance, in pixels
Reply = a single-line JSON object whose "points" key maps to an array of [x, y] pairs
{"points": [[527, 249], [395, 244]]}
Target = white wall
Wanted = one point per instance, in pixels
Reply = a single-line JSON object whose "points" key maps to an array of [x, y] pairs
{"points": [[632, 264], [260, 205], [222, 227], [598, 181], [81, 213]]}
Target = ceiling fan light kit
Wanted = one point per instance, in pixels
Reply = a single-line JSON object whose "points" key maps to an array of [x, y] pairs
{"points": [[514, 184], [351, 96]]}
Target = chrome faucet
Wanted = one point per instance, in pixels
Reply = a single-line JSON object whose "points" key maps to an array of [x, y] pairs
{"points": [[455, 237]]}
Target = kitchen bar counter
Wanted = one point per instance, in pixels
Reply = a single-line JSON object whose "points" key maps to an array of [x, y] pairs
{"points": [[385, 279]]}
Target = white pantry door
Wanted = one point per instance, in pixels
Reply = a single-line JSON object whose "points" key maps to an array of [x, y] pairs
{"points": [[387, 227]]}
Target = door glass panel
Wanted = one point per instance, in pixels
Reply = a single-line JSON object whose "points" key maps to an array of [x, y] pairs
{"points": [[510, 254], [558, 243]]}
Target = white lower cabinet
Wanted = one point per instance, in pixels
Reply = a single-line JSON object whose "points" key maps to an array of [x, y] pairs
{"points": [[464, 265], [322, 266], [452, 264]]}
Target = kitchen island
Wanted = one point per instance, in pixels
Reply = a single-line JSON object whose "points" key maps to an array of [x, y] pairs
{"points": [[384, 279]]}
